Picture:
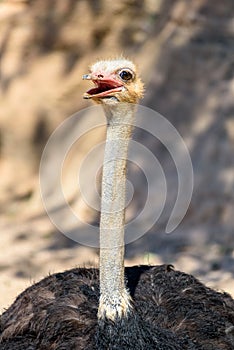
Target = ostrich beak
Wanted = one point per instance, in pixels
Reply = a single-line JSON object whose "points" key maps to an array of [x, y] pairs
{"points": [[105, 86]]}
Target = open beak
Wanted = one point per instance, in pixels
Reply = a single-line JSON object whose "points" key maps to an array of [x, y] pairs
{"points": [[104, 86]]}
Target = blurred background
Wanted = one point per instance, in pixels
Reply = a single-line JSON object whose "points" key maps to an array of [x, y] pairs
{"points": [[185, 54]]}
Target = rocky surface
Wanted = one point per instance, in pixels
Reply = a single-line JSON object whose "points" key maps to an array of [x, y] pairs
{"points": [[184, 50]]}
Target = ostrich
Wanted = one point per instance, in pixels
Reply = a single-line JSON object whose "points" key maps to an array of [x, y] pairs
{"points": [[139, 307]]}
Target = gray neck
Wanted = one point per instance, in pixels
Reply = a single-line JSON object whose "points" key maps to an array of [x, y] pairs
{"points": [[115, 300]]}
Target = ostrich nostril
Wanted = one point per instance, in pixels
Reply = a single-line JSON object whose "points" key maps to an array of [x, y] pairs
{"points": [[100, 76]]}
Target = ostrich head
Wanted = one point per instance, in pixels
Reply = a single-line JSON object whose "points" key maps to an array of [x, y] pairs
{"points": [[115, 81]]}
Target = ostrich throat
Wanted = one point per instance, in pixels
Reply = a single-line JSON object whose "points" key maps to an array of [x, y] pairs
{"points": [[115, 300]]}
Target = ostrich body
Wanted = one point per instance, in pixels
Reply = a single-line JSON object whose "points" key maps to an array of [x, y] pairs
{"points": [[140, 307]]}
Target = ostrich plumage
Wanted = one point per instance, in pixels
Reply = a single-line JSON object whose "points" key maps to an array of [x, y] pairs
{"points": [[172, 310], [139, 307]]}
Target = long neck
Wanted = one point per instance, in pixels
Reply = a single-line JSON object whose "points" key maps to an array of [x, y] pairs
{"points": [[114, 298]]}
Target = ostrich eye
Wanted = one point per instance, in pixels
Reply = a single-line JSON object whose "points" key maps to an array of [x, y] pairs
{"points": [[125, 75]]}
